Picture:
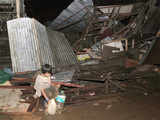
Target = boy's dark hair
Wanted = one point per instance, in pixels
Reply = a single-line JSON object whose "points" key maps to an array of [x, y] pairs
{"points": [[46, 68]]}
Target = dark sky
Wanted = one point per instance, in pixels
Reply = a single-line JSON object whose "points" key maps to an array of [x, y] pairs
{"points": [[45, 10]]}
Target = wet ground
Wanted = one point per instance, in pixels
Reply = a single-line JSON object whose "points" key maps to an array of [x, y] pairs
{"points": [[123, 106]]}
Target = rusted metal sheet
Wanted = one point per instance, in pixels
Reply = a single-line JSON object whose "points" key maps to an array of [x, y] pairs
{"points": [[29, 45]]}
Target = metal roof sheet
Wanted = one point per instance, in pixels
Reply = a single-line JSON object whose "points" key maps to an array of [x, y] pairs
{"points": [[76, 11]]}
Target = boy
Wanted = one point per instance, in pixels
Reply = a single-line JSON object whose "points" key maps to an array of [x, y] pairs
{"points": [[43, 85]]}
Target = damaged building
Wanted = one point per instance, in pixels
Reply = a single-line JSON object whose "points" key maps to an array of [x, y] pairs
{"points": [[103, 58]]}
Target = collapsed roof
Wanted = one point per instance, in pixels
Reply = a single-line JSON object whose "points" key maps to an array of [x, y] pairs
{"points": [[48, 11]]}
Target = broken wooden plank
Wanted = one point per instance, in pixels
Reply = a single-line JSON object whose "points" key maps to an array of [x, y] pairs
{"points": [[32, 106], [15, 113], [116, 84], [109, 81], [36, 106], [91, 79], [22, 80], [67, 84], [17, 87]]}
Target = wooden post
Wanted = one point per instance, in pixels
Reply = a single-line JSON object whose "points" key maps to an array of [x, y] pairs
{"points": [[126, 47], [107, 83], [133, 43], [106, 86], [18, 8]]}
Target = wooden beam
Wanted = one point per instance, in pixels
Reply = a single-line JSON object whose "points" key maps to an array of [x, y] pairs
{"points": [[16, 79], [67, 84], [15, 113], [17, 87], [18, 8], [133, 43], [91, 79], [126, 46], [34, 105]]}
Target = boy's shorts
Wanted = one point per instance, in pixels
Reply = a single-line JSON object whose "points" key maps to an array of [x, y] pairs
{"points": [[51, 92]]}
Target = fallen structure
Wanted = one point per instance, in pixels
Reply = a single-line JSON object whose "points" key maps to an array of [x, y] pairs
{"points": [[112, 51]]}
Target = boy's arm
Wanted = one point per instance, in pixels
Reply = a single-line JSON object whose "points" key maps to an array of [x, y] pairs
{"points": [[44, 95]]}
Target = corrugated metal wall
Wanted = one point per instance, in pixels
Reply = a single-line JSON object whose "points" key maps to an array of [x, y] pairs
{"points": [[61, 49], [29, 44], [30, 47]]}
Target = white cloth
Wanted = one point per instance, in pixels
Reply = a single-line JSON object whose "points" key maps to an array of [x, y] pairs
{"points": [[41, 82]]}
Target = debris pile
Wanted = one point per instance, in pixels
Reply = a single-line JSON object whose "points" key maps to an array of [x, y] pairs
{"points": [[112, 53], [126, 28]]}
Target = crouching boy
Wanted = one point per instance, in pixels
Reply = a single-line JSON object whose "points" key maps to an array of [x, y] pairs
{"points": [[43, 85]]}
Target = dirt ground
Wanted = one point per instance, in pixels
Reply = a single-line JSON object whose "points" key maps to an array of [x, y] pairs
{"points": [[123, 106]]}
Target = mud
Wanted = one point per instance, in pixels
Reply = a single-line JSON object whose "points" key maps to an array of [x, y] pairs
{"points": [[126, 106]]}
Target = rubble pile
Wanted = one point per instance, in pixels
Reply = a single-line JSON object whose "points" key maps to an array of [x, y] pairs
{"points": [[112, 54], [134, 32]]}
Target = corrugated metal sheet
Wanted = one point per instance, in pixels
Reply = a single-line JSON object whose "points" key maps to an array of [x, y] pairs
{"points": [[61, 49], [7, 1], [79, 10], [29, 44], [30, 47], [123, 9]]}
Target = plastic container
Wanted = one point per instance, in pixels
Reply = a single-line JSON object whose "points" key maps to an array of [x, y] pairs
{"points": [[52, 107], [60, 99]]}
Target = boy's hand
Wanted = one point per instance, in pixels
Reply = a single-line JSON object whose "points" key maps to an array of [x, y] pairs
{"points": [[48, 100]]}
